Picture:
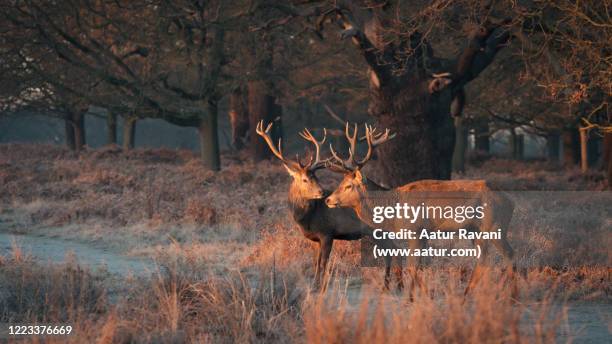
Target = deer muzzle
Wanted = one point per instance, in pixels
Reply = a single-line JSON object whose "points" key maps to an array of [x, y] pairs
{"points": [[330, 202]]}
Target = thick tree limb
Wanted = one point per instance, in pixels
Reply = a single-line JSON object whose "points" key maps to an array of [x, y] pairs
{"points": [[478, 55]]}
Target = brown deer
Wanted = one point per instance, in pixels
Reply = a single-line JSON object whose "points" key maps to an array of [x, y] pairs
{"points": [[318, 222], [355, 192]]}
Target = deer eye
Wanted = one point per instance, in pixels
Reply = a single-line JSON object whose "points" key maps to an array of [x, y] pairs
{"points": [[348, 186], [305, 180]]}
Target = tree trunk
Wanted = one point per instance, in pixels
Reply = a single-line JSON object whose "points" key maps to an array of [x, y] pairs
{"points": [[594, 151], [571, 147], [69, 130], [481, 137], [261, 107], [607, 157], [408, 99], [111, 128], [277, 131], [553, 145], [518, 153], [129, 132], [584, 163], [78, 123], [209, 140], [239, 118], [460, 146], [425, 131], [609, 173]]}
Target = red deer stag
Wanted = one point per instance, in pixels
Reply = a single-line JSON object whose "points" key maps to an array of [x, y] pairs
{"points": [[355, 191], [306, 201]]}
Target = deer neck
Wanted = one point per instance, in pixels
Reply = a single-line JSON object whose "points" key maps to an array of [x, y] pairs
{"points": [[363, 208], [301, 207], [366, 204], [370, 185]]}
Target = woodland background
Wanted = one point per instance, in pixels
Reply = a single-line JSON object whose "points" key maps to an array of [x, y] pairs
{"points": [[529, 67], [138, 204]]}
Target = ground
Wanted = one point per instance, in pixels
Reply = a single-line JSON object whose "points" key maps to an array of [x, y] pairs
{"points": [[193, 255]]}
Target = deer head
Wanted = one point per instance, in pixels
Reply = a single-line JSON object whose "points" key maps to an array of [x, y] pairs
{"points": [[305, 184], [353, 186]]}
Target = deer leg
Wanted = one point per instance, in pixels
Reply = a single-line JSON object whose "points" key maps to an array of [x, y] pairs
{"points": [[326, 247], [506, 250], [478, 270], [387, 260], [400, 277], [317, 279], [413, 267], [387, 273]]}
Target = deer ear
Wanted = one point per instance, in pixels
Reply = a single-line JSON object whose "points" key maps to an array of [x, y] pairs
{"points": [[291, 171], [359, 176]]}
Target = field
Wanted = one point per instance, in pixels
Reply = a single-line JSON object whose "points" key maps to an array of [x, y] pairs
{"points": [[224, 261]]}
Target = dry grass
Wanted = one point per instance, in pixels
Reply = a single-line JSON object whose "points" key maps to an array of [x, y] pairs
{"points": [[143, 186], [508, 174], [32, 292], [235, 269], [143, 200], [184, 304], [437, 315]]}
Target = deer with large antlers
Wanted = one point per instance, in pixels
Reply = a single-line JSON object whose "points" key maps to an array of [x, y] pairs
{"points": [[317, 222], [356, 192]]}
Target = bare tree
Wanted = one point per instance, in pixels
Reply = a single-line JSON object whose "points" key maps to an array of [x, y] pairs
{"points": [[159, 59]]}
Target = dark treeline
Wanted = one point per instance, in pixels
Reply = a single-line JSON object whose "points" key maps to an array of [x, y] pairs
{"points": [[434, 72]]}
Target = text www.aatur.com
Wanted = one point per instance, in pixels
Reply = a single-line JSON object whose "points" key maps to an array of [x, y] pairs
{"points": [[426, 252]]}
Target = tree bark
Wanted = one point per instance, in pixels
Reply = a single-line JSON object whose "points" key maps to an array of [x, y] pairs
{"points": [[584, 163], [571, 146], [518, 152], [607, 157], [239, 118], [209, 140], [460, 146], [69, 131], [424, 144], [606, 151], [261, 99], [407, 98], [78, 124], [277, 131], [261, 107], [610, 173], [481, 137], [111, 128], [129, 132], [594, 149]]}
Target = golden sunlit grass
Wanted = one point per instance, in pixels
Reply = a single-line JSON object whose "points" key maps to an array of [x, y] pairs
{"points": [[182, 304]]}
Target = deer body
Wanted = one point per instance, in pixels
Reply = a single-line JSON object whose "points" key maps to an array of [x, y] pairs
{"points": [[474, 192], [355, 190], [317, 222], [323, 225]]}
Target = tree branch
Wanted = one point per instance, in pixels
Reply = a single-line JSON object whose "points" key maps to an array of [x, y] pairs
{"points": [[479, 54]]}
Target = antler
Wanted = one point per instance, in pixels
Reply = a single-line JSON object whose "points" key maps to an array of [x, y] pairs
{"points": [[266, 136], [378, 138], [349, 163], [317, 163], [372, 138], [311, 165]]}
